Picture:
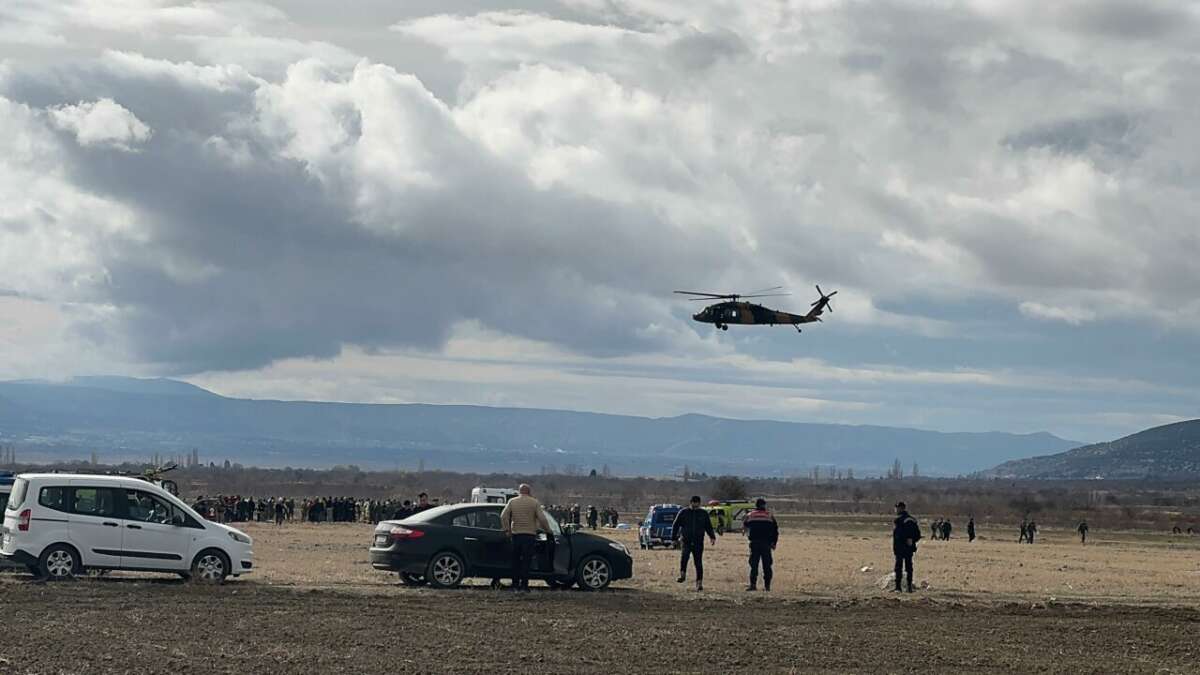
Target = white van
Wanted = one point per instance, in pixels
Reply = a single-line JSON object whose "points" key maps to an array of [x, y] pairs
{"points": [[486, 495], [59, 525]]}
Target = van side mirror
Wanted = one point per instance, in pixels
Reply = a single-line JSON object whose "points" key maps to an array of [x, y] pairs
{"points": [[177, 521]]}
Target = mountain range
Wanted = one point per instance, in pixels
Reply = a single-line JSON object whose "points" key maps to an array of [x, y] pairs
{"points": [[1171, 451], [133, 419]]}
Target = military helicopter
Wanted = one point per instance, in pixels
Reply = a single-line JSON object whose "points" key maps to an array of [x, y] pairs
{"points": [[734, 311]]}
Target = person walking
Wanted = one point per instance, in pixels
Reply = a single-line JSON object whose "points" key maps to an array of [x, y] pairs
{"points": [[971, 529], [691, 525], [946, 529], [521, 519], [905, 535], [1083, 530], [763, 532], [1024, 532]]}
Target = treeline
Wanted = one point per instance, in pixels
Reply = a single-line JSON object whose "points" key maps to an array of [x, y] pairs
{"points": [[1107, 504]]}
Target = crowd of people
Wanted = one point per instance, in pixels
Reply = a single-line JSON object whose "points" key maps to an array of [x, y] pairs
{"points": [[242, 509], [594, 517]]}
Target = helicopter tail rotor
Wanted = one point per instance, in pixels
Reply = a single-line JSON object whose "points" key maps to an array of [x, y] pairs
{"points": [[823, 301]]}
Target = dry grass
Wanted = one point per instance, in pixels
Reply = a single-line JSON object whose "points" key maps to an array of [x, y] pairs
{"points": [[820, 556]]}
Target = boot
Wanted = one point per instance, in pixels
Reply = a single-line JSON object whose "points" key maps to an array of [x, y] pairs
{"points": [[682, 578], [699, 585], [910, 587], [752, 586], [767, 585]]}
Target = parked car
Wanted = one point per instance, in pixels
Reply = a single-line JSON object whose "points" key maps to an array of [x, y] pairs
{"points": [[727, 516], [6, 483], [487, 495], [655, 530], [61, 525], [446, 544]]}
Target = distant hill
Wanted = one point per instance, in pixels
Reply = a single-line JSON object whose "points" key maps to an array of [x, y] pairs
{"points": [[1170, 451], [124, 418]]}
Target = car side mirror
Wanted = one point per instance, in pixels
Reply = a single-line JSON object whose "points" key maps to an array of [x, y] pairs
{"points": [[177, 521], [570, 528]]}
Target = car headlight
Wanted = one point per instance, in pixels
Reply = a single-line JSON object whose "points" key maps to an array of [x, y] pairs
{"points": [[619, 547], [239, 537]]}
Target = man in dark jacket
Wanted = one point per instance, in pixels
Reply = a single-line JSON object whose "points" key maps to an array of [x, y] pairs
{"points": [[691, 525], [763, 532], [905, 536], [971, 529]]}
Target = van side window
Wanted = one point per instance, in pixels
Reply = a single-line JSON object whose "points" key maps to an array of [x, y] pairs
{"points": [[90, 501], [55, 498], [147, 508]]}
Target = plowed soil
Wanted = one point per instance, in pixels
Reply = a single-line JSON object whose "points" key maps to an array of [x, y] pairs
{"points": [[314, 606]]}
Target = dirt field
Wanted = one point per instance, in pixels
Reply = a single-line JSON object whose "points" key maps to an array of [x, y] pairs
{"points": [[1127, 602]]}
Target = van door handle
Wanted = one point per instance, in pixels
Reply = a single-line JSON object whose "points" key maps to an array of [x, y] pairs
{"points": [[134, 527], [108, 524], [470, 539]]}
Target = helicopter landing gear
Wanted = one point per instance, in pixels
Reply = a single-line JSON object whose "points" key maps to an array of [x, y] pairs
{"points": [[797, 327], [723, 326]]}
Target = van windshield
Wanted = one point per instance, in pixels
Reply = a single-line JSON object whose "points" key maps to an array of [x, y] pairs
{"points": [[18, 494]]}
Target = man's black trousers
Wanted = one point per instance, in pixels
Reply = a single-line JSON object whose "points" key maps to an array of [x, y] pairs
{"points": [[760, 551], [522, 552], [695, 550], [904, 564]]}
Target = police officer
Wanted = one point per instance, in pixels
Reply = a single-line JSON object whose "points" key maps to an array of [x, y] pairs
{"points": [[692, 524], [971, 529], [763, 532], [1083, 530], [905, 536]]}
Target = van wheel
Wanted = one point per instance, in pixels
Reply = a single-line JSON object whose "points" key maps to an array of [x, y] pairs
{"points": [[446, 570], [60, 562], [594, 573], [210, 567]]}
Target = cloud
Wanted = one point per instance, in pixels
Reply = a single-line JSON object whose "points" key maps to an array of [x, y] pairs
{"points": [[308, 181], [1072, 315], [103, 122]]}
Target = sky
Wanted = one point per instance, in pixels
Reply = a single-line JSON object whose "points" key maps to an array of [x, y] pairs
{"points": [[491, 203]]}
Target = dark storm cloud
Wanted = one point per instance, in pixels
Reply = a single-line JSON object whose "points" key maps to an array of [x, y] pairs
{"points": [[1110, 133], [235, 265]]}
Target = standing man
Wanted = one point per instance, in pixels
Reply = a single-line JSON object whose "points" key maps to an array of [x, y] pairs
{"points": [[692, 524], [1024, 532], [422, 504], [1032, 530], [593, 516], [521, 518], [763, 532], [905, 536], [1083, 530], [971, 529]]}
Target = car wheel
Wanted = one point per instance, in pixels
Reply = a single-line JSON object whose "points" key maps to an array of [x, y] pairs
{"points": [[446, 570], [594, 573], [410, 579], [60, 562], [210, 567]]}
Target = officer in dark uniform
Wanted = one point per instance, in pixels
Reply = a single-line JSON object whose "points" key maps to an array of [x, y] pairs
{"points": [[971, 529], [763, 532], [692, 524], [905, 536]]}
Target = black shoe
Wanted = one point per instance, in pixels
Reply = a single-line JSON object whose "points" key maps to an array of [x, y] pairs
{"points": [[699, 586], [897, 590], [681, 579], [751, 587], [911, 589], [767, 586]]}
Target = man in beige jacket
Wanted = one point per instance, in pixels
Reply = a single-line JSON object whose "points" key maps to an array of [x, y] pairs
{"points": [[521, 519]]}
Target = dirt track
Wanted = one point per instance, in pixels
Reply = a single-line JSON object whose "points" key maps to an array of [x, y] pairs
{"points": [[314, 606], [136, 626]]}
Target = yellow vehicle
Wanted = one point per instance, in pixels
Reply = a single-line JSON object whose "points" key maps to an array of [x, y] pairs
{"points": [[727, 515]]}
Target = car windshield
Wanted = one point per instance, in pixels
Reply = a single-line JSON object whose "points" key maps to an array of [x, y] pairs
{"points": [[429, 515], [661, 517]]}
